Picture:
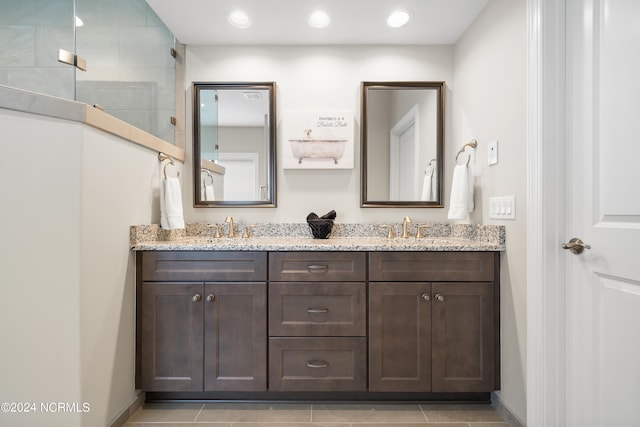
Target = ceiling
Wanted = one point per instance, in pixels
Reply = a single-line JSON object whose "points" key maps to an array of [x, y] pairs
{"points": [[284, 22]]}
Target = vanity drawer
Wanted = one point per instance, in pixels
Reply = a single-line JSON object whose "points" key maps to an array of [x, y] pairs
{"points": [[317, 266], [432, 266], [317, 309], [317, 364], [226, 266]]}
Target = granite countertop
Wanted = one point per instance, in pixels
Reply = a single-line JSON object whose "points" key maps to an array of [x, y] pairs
{"points": [[297, 237]]}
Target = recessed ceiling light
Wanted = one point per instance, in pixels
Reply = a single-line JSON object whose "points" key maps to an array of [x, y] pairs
{"points": [[398, 18], [239, 19], [319, 19]]}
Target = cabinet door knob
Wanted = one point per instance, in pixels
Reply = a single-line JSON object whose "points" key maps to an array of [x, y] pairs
{"points": [[196, 298], [211, 298], [425, 297], [439, 297]]}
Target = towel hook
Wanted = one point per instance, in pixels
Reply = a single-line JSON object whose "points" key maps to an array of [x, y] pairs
{"points": [[473, 144]]}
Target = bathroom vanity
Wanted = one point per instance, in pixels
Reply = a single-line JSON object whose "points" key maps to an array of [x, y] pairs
{"points": [[286, 318]]}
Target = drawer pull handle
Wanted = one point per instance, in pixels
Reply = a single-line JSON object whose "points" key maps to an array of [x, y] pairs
{"points": [[196, 298], [317, 268], [317, 364], [317, 310]]}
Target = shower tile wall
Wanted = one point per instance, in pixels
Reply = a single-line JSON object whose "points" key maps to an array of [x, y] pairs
{"points": [[126, 46], [31, 32], [130, 72]]}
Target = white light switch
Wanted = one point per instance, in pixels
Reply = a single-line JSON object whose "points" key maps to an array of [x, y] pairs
{"points": [[492, 152], [502, 207]]}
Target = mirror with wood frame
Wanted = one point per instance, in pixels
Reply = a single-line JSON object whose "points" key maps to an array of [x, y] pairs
{"points": [[402, 144], [234, 144]]}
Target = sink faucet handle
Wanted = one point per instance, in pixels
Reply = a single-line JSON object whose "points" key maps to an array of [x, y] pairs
{"points": [[246, 233], [421, 227], [391, 231], [215, 233]]}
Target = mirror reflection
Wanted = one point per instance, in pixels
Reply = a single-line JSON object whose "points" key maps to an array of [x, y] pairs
{"points": [[234, 144], [402, 144]]}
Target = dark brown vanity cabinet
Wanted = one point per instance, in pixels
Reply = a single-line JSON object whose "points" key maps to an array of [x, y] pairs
{"points": [[206, 332], [432, 323], [318, 321]]}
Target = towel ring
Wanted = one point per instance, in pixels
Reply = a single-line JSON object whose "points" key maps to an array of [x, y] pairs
{"points": [[162, 157], [473, 144], [165, 168], [208, 174], [431, 168]]}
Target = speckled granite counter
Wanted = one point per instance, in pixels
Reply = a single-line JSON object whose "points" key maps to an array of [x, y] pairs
{"points": [[297, 237]]}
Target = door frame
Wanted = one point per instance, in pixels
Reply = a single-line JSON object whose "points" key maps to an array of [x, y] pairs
{"points": [[546, 209]]}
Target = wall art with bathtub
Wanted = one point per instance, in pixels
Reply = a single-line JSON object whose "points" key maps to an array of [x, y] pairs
{"points": [[318, 140]]}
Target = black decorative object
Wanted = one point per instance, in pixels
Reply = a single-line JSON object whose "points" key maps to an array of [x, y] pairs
{"points": [[321, 226]]}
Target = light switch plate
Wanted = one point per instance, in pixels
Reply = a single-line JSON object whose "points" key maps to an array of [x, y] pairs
{"points": [[492, 152], [502, 207]]}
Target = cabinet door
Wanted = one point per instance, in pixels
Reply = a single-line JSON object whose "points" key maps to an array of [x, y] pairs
{"points": [[463, 337], [399, 336], [171, 342], [235, 340]]}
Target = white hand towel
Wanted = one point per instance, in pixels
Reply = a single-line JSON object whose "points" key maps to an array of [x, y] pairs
{"points": [[427, 188], [208, 192], [164, 223], [172, 205], [461, 202]]}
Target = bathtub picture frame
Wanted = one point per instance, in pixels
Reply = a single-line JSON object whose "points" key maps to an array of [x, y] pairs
{"points": [[318, 140]]}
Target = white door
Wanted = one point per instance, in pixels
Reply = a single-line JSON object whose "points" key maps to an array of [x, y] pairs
{"points": [[407, 176], [603, 209], [240, 178], [403, 158]]}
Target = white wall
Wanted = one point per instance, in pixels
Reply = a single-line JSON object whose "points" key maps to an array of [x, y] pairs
{"points": [[490, 103], [315, 78], [120, 182], [40, 266], [70, 193]]}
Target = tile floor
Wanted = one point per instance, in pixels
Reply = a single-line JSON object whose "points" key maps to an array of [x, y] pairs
{"points": [[314, 415]]}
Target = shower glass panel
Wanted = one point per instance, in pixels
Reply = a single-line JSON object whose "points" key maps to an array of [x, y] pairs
{"points": [[130, 72], [31, 32]]}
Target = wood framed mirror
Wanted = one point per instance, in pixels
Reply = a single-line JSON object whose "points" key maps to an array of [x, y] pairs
{"points": [[402, 144], [234, 144]]}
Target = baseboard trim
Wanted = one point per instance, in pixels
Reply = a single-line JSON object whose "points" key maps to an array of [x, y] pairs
{"points": [[126, 414], [505, 411]]}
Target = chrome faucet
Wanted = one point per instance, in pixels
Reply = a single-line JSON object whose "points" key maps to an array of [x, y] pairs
{"points": [[405, 227], [232, 227]]}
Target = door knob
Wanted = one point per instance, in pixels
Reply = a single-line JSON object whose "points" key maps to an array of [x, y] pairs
{"points": [[576, 246], [211, 298], [425, 297], [196, 298], [439, 297]]}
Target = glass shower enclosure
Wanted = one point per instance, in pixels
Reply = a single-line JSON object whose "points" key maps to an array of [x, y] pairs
{"points": [[130, 69]]}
